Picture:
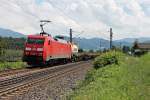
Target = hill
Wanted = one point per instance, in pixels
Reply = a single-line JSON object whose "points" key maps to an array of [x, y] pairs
{"points": [[93, 43], [10, 33], [131, 40], [97, 43]]}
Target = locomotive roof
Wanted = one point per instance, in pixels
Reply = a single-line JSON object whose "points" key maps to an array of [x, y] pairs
{"points": [[38, 36]]}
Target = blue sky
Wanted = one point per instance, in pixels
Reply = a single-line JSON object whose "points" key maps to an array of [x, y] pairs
{"points": [[38, 2], [128, 18]]}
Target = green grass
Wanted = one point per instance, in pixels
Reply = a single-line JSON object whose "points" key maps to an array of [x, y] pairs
{"points": [[11, 59], [128, 80], [11, 55], [12, 65]]}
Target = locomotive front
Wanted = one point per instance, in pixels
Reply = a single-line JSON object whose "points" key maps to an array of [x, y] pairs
{"points": [[34, 49]]}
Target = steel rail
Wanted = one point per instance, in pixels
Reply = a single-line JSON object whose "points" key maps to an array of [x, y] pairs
{"points": [[15, 84]]}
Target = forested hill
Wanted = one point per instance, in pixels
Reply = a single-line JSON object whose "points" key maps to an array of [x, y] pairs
{"points": [[84, 43]]}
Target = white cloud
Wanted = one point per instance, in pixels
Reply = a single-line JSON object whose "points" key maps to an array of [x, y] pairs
{"points": [[128, 18]]}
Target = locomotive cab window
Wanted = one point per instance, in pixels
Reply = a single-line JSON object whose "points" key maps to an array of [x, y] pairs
{"points": [[39, 41]]}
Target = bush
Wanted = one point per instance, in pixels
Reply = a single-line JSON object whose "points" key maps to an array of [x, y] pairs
{"points": [[107, 58], [11, 55], [129, 80]]}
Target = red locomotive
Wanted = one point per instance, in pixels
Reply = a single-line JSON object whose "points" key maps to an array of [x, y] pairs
{"points": [[43, 49]]}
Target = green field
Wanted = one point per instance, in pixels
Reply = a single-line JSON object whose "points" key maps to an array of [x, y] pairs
{"points": [[11, 52], [12, 65], [11, 55], [11, 59], [127, 80]]}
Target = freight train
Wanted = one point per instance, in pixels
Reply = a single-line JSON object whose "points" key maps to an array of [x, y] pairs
{"points": [[44, 49]]}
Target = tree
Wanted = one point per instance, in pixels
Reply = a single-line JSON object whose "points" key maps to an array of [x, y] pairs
{"points": [[116, 48], [105, 50], [91, 51], [126, 49], [81, 50], [2, 46], [135, 46]]}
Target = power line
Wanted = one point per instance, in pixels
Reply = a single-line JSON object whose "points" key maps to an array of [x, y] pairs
{"points": [[79, 33]]}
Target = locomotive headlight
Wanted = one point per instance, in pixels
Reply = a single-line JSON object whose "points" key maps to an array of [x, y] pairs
{"points": [[39, 49], [28, 49]]}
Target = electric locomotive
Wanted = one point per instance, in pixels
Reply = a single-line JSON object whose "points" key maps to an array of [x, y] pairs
{"points": [[42, 49]]}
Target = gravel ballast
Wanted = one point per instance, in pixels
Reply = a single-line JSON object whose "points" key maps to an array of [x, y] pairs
{"points": [[55, 89]]}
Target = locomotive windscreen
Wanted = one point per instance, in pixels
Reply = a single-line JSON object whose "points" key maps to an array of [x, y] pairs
{"points": [[35, 41]]}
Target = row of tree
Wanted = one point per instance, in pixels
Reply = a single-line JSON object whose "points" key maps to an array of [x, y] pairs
{"points": [[11, 43]]}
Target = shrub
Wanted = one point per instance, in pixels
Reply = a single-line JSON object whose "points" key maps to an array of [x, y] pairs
{"points": [[11, 55], [129, 80], [107, 58]]}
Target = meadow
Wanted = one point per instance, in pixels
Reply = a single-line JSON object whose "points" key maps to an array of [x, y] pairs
{"points": [[128, 78], [11, 59], [11, 52]]}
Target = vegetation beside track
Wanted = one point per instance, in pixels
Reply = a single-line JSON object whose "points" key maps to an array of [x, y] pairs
{"points": [[11, 51], [12, 65], [11, 59], [129, 79], [11, 55]]}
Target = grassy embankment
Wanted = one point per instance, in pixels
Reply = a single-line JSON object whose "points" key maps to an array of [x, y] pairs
{"points": [[11, 59], [128, 78]]}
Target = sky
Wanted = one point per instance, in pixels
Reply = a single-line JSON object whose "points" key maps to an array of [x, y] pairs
{"points": [[89, 18]]}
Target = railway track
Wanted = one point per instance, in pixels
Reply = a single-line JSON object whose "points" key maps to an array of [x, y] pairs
{"points": [[23, 82], [12, 72]]}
